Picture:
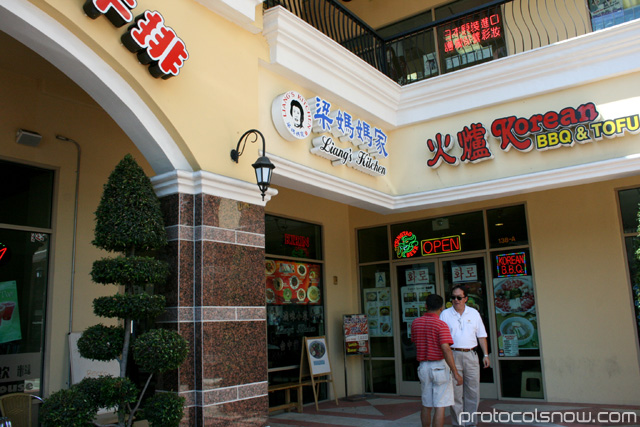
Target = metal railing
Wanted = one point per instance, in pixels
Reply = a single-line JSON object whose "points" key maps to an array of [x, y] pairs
{"points": [[493, 30]]}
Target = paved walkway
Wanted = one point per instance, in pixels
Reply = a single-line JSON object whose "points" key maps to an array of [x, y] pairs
{"points": [[397, 411]]}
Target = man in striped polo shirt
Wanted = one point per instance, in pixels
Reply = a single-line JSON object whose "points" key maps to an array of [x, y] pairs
{"points": [[432, 339]]}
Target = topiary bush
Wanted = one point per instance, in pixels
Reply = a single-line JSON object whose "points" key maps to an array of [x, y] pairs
{"points": [[128, 222], [69, 408]]}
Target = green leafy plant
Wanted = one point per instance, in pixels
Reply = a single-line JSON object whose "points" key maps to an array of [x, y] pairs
{"points": [[128, 222]]}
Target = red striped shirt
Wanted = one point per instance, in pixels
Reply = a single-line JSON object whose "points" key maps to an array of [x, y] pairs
{"points": [[428, 333]]}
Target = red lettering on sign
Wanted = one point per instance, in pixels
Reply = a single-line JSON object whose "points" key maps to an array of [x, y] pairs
{"points": [[440, 245], [514, 264]]}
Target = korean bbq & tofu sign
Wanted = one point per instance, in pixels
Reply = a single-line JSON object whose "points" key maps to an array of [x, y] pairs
{"points": [[155, 44], [546, 131]]}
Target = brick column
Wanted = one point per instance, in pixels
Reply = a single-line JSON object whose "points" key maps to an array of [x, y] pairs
{"points": [[216, 300]]}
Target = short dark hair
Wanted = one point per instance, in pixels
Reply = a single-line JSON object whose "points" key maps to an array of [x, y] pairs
{"points": [[434, 302], [462, 288]]}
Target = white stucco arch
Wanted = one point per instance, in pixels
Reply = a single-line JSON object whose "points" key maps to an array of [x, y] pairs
{"points": [[44, 35]]}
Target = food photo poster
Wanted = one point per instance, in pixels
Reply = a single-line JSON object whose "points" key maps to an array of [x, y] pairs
{"points": [[377, 306], [515, 315]]}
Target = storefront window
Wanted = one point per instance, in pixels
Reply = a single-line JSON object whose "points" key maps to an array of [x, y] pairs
{"points": [[607, 13], [24, 267], [507, 227], [291, 238], [629, 204], [515, 304], [294, 298], [373, 244]]}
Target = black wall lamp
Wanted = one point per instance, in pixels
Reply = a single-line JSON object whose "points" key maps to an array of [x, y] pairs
{"points": [[263, 165]]}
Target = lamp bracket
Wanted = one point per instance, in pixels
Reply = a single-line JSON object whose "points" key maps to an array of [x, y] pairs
{"points": [[235, 154]]}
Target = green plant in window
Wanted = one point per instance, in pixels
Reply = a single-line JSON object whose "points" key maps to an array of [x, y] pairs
{"points": [[128, 222]]}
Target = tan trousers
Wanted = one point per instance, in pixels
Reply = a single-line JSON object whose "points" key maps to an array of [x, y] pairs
{"points": [[466, 396]]}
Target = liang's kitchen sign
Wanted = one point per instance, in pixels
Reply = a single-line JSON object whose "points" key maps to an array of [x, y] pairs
{"points": [[295, 118]]}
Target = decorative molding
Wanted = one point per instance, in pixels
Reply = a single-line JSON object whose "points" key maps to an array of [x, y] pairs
{"points": [[240, 12], [203, 182], [308, 57], [313, 60], [302, 178]]}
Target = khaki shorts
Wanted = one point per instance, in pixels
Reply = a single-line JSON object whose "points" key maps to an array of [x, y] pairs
{"points": [[436, 384]]}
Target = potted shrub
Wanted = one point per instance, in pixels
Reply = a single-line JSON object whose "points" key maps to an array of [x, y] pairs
{"points": [[128, 223]]}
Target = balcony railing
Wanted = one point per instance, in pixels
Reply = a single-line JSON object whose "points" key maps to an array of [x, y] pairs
{"points": [[493, 30]]}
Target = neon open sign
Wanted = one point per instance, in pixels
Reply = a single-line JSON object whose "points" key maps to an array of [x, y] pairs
{"points": [[514, 264], [440, 245]]}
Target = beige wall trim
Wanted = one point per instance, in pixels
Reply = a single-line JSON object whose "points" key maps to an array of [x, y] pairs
{"points": [[311, 59], [213, 314], [240, 12], [203, 182], [214, 234], [50, 39], [302, 178]]}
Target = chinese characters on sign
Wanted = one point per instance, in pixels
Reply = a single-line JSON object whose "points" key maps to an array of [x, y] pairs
{"points": [[154, 43], [472, 33], [296, 118], [543, 131], [369, 142]]}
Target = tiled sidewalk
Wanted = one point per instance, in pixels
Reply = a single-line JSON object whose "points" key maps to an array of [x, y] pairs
{"points": [[397, 411]]}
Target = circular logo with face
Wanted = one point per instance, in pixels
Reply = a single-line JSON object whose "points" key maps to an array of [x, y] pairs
{"points": [[291, 116]]}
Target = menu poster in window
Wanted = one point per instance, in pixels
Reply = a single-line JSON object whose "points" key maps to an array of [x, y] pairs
{"points": [[377, 306], [356, 334], [292, 282], [515, 314], [9, 313]]}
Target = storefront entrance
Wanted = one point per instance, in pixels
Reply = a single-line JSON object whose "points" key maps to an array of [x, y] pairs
{"points": [[413, 282], [488, 252]]}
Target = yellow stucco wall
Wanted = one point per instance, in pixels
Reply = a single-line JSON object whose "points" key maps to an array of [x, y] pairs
{"points": [[42, 99]]}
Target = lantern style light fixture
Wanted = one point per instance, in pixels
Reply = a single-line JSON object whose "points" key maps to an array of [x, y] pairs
{"points": [[263, 165]]}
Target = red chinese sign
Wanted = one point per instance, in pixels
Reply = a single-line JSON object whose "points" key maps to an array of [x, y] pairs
{"points": [[298, 241], [155, 44], [472, 32]]}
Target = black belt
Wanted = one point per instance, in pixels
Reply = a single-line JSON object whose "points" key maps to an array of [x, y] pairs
{"points": [[462, 349]]}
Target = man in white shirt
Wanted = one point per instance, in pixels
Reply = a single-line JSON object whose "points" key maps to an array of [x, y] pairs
{"points": [[467, 330]]}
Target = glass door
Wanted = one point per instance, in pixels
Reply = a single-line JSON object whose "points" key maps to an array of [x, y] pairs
{"points": [[414, 283], [470, 272]]}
